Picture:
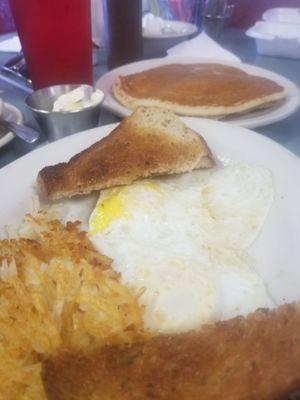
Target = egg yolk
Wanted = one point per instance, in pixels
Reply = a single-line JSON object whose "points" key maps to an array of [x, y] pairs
{"points": [[116, 205], [105, 212]]}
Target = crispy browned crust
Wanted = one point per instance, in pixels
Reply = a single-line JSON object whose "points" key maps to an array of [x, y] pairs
{"points": [[148, 143], [253, 358]]}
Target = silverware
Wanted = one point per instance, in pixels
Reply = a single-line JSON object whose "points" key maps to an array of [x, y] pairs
{"points": [[17, 66], [25, 133]]}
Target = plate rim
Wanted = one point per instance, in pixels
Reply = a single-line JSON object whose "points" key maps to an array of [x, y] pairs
{"points": [[292, 103]]}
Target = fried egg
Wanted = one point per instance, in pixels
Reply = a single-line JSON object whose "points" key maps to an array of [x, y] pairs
{"points": [[180, 243]]}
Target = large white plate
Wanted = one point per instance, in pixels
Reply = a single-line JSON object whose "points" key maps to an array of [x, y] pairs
{"points": [[250, 120], [276, 252]]}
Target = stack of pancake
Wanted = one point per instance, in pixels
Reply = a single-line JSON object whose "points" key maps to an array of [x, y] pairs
{"points": [[202, 90]]}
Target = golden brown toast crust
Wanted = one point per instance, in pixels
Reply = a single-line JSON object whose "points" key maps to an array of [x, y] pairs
{"points": [[253, 358], [142, 145]]}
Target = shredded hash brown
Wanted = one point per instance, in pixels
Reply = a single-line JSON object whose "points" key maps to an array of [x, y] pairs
{"points": [[56, 292]]}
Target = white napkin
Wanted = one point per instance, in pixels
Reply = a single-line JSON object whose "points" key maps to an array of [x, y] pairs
{"points": [[202, 46], [11, 44]]}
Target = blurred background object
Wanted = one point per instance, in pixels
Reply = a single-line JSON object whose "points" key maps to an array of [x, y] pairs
{"points": [[215, 16], [6, 18], [278, 33], [98, 29], [180, 10], [215, 7], [247, 12], [123, 41], [290, 15], [167, 23], [208, 15], [123, 31]]}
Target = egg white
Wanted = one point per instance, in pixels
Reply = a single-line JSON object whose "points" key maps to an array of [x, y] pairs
{"points": [[179, 243]]}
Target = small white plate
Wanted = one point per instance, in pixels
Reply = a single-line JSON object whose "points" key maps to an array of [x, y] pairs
{"points": [[248, 120], [11, 114], [172, 29], [276, 252]]}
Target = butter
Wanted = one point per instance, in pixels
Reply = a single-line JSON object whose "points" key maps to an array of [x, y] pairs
{"points": [[77, 99]]}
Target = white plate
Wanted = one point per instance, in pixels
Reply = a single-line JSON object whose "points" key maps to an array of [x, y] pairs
{"points": [[276, 251], [250, 120], [12, 114], [171, 29]]}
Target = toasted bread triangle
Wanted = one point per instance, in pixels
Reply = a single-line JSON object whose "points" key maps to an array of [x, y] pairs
{"points": [[150, 142]]}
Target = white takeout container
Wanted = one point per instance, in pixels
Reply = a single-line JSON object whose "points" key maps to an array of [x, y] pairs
{"points": [[274, 36], [289, 15]]}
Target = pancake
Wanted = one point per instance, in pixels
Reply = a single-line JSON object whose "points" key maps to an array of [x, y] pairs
{"points": [[204, 90]]}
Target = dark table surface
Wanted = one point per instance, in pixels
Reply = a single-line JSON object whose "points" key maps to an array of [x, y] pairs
{"points": [[286, 132]]}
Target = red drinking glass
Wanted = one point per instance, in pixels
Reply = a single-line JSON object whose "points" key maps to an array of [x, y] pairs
{"points": [[56, 40]]}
